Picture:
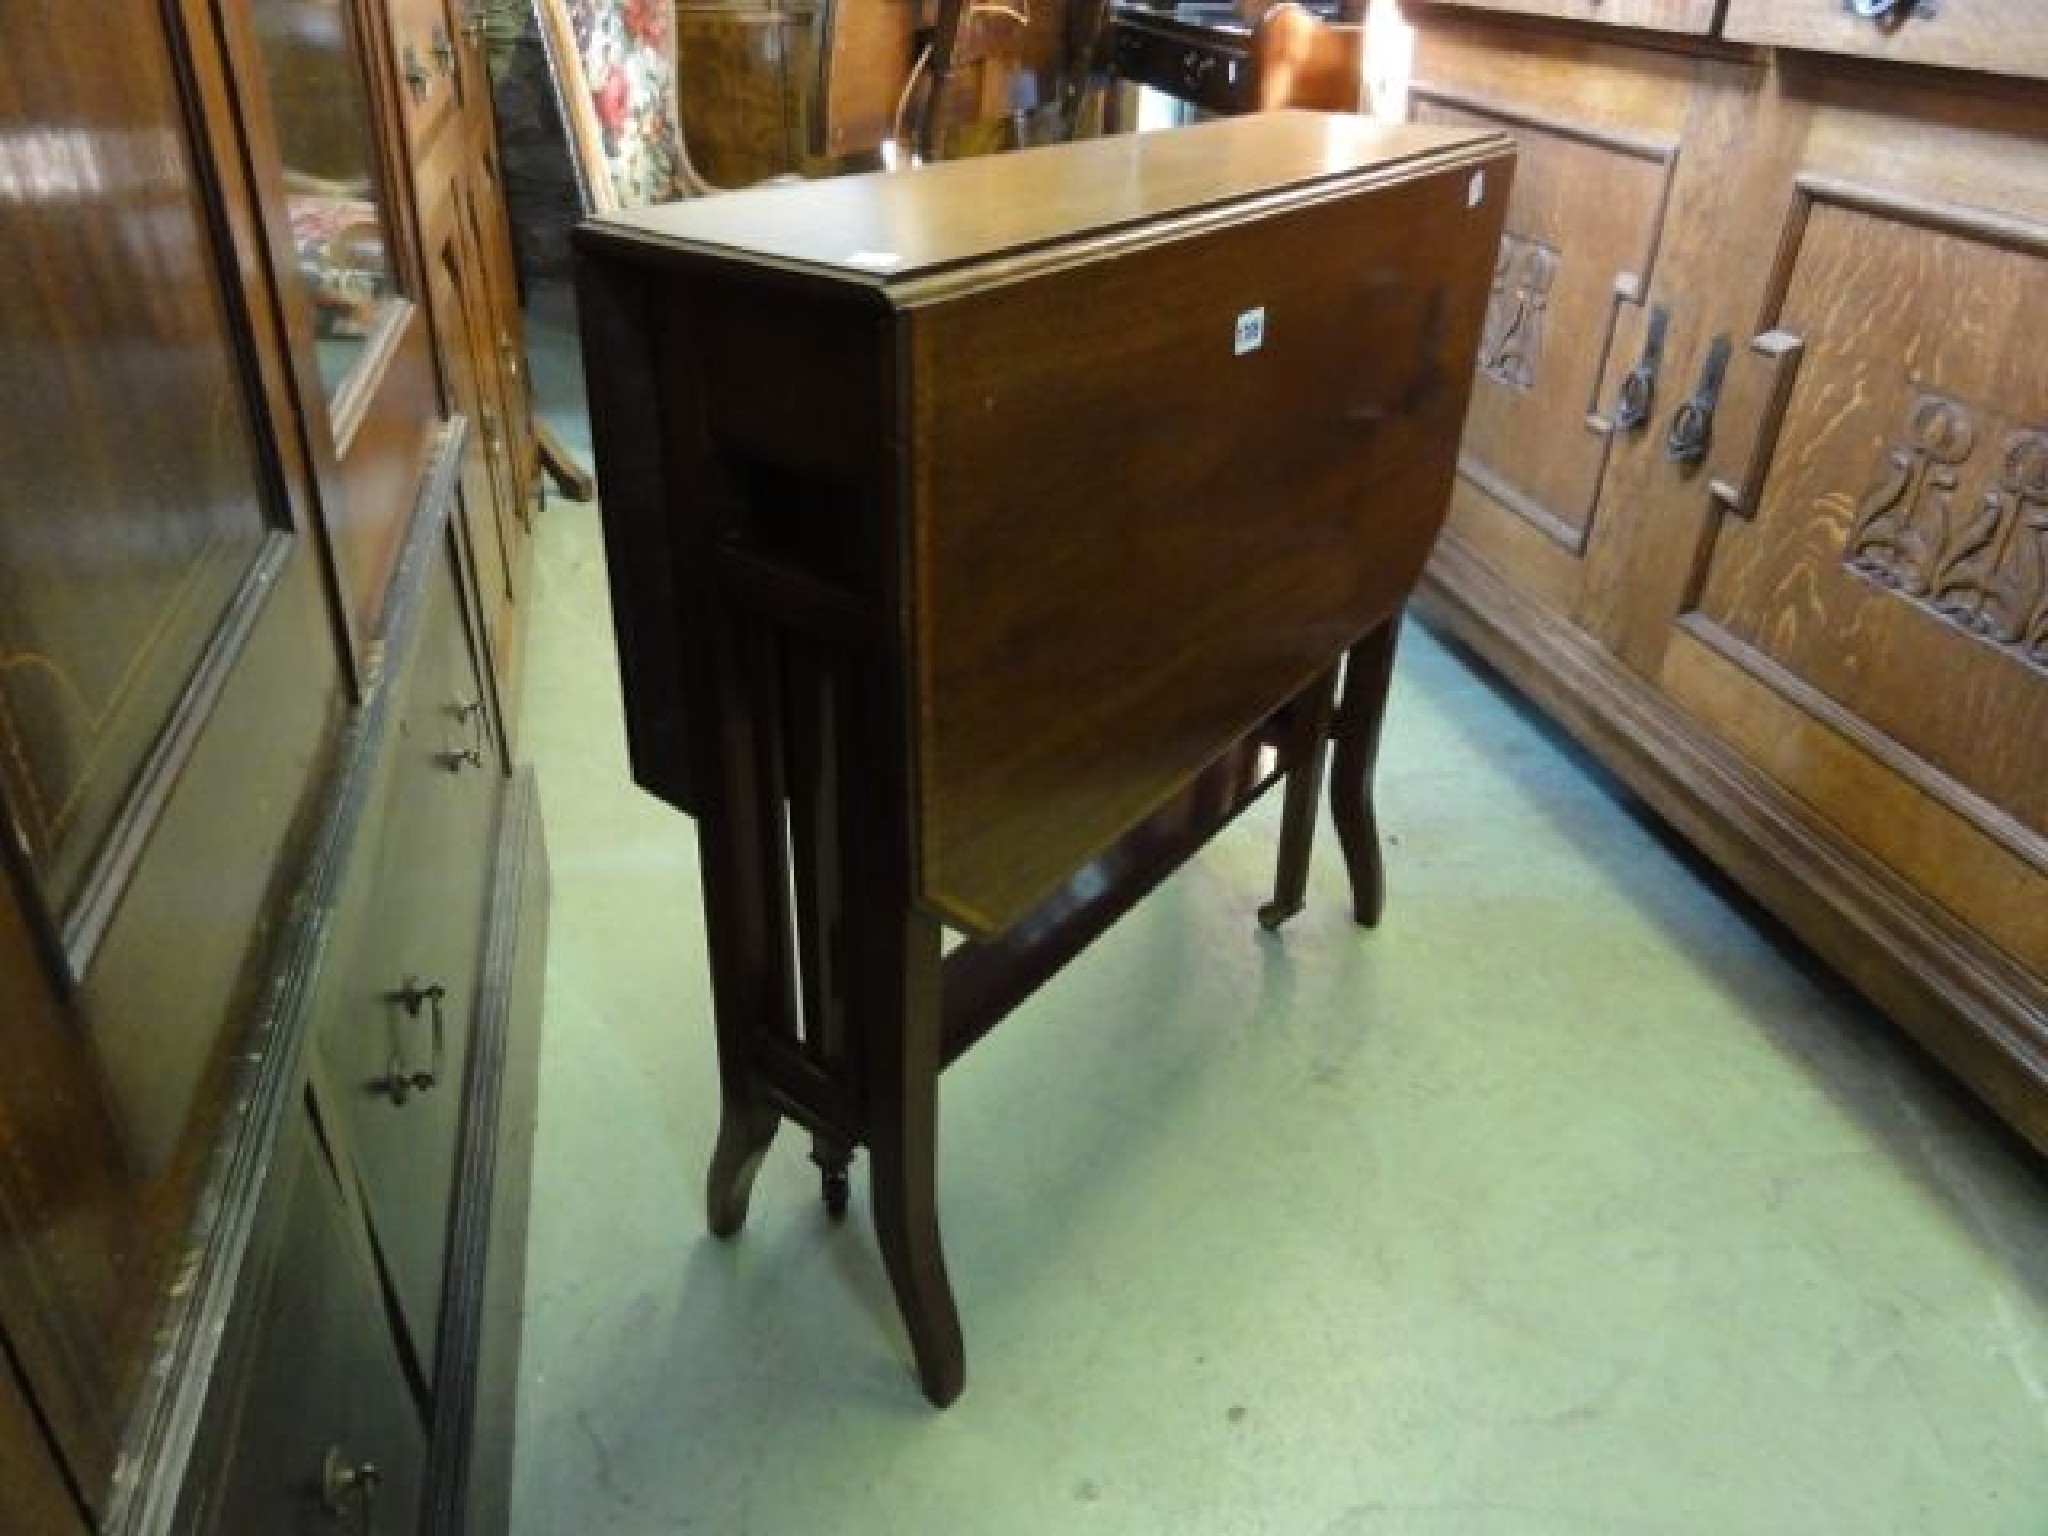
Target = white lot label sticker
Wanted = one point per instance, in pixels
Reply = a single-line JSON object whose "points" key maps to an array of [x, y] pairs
{"points": [[1475, 192], [1251, 330]]}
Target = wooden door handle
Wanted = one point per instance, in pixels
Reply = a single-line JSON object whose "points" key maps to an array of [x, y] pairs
{"points": [[1781, 352]]}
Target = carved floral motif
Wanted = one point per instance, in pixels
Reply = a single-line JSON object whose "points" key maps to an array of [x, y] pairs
{"points": [[1983, 567], [1511, 345]]}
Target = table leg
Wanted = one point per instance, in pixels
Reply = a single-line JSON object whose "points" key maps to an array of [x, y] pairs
{"points": [[560, 466], [903, 1027], [745, 1128], [744, 866], [1367, 675], [1307, 750]]}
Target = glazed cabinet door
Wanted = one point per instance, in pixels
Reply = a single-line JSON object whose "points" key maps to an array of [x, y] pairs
{"points": [[1576, 307], [168, 678], [312, 87], [1865, 544]]}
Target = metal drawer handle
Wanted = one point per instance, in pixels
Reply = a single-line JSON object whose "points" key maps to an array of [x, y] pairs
{"points": [[472, 756], [344, 1483], [1880, 10], [416, 77], [1692, 425], [400, 1083], [1638, 397]]}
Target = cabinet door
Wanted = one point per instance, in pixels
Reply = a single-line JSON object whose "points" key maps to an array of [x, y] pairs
{"points": [[168, 676], [1866, 614], [495, 287], [330, 173], [1598, 129], [395, 1016], [476, 350]]}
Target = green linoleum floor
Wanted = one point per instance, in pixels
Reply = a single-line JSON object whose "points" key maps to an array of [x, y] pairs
{"points": [[1575, 1199]]}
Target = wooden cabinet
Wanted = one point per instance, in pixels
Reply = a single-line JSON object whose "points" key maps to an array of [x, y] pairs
{"points": [[1797, 591], [235, 583]]}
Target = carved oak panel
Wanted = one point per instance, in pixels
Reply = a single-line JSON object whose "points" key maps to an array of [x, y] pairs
{"points": [[1894, 582], [1585, 221], [1961, 530], [1517, 311]]}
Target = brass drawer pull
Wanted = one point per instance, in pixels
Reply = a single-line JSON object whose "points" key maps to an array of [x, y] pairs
{"points": [[472, 756], [400, 1083], [347, 1485], [1692, 424]]}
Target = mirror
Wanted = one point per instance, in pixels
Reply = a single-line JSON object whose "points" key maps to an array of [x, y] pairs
{"points": [[339, 229]]}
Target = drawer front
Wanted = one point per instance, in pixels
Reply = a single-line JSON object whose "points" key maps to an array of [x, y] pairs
{"points": [[1212, 72], [1689, 16], [2006, 37], [323, 1434], [400, 993]]}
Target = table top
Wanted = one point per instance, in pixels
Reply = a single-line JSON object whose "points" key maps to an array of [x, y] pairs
{"points": [[889, 230]]}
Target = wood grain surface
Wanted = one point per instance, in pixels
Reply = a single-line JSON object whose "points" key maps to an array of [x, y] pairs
{"points": [[2006, 37], [1890, 549], [1695, 17], [888, 230], [1132, 542], [33, 1484]]}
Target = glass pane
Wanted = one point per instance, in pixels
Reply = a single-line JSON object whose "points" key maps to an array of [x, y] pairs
{"points": [[134, 497], [323, 134]]}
